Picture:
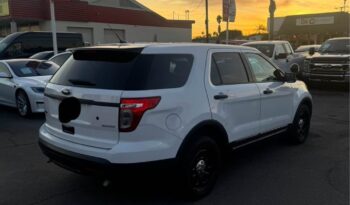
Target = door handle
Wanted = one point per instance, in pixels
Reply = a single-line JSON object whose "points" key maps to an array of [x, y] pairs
{"points": [[220, 96], [268, 91]]}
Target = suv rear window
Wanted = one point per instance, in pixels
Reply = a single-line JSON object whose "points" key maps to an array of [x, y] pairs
{"points": [[124, 70]]}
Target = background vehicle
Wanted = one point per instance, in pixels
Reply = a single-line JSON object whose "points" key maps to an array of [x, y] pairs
{"points": [[280, 52], [304, 50], [26, 44], [61, 58], [22, 84], [183, 104], [45, 55], [331, 63]]}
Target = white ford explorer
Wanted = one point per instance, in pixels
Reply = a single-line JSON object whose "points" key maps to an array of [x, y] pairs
{"points": [[114, 106]]}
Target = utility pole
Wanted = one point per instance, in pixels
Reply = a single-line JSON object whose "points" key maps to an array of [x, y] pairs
{"points": [[345, 5], [206, 21], [228, 21], [53, 26], [272, 10]]}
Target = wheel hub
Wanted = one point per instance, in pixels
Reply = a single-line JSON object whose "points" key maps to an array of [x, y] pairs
{"points": [[301, 123], [201, 166], [22, 105]]}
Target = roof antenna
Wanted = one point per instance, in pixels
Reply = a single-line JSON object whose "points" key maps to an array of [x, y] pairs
{"points": [[117, 35]]}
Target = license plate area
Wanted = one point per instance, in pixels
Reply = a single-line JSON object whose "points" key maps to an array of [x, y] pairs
{"points": [[68, 129]]}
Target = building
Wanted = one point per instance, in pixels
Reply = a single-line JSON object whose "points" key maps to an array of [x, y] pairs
{"points": [[97, 20], [311, 28]]}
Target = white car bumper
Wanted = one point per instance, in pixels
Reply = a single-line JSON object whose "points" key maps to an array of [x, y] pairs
{"points": [[122, 153]]}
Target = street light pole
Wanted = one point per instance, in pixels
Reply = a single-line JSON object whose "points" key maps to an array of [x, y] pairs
{"points": [[272, 10], [228, 21], [53, 26], [206, 21]]}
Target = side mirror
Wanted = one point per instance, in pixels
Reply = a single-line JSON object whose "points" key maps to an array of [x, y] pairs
{"points": [[312, 51], [279, 75], [281, 56], [295, 69], [5, 75], [290, 77]]}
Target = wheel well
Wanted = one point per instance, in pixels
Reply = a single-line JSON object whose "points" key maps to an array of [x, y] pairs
{"points": [[307, 102], [212, 129], [19, 90]]}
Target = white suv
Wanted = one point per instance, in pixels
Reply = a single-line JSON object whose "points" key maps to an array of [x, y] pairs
{"points": [[182, 103]]}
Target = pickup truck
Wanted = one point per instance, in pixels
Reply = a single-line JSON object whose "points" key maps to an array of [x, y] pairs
{"points": [[280, 52], [330, 64]]}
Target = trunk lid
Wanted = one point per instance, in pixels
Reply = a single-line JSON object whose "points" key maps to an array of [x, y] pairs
{"points": [[97, 122]]}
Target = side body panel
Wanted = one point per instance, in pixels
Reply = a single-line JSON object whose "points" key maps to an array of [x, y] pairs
{"points": [[239, 113]]}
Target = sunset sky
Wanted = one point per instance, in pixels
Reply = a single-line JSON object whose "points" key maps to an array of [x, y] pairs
{"points": [[250, 13]]}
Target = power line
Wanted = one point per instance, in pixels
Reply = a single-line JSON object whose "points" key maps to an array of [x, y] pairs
{"points": [[199, 4]]}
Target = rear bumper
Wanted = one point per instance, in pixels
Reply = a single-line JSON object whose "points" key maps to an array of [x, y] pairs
{"points": [[83, 164], [336, 78], [124, 152]]}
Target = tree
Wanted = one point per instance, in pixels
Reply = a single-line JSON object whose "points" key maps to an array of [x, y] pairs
{"points": [[261, 29], [219, 20]]}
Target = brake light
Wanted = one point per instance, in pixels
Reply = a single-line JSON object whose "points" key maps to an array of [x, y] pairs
{"points": [[132, 109]]}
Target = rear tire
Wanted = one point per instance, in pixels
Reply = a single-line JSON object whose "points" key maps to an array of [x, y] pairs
{"points": [[23, 104], [200, 163], [299, 130]]}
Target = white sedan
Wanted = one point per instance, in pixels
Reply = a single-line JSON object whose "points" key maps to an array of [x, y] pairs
{"points": [[22, 84]]}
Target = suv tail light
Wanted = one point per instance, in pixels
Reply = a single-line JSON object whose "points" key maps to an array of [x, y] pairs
{"points": [[132, 109]]}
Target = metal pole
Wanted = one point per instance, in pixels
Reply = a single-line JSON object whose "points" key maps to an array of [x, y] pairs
{"points": [[228, 21], [53, 26], [206, 21], [272, 9], [272, 26]]}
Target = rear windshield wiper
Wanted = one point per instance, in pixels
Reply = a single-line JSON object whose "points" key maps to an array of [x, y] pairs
{"points": [[81, 82]]}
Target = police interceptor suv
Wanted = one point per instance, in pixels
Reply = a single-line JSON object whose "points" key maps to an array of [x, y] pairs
{"points": [[114, 106]]}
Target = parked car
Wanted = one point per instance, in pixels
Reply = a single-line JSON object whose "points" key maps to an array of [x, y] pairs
{"points": [[61, 58], [44, 55], [331, 63], [236, 42], [180, 104], [304, 50], [22, 84], [26, 44], [280, 52]]}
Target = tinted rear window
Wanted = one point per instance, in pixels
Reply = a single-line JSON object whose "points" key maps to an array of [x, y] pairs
{"points": [[124, 70]]}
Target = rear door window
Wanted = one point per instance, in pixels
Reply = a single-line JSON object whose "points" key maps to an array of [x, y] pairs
{"points": [[227, 69], [124, 70]]}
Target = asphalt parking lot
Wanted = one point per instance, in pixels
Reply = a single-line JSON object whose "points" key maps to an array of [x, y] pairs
{"points": [[270, 172]]}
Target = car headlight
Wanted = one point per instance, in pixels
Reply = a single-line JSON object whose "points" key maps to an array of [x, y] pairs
{"points": [[38, 89], [306, 66]]}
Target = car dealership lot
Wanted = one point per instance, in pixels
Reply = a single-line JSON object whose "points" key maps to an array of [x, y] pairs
{"points": [[270, 172]]}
